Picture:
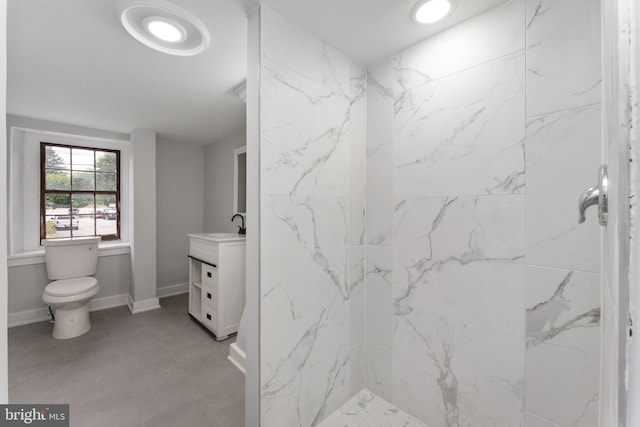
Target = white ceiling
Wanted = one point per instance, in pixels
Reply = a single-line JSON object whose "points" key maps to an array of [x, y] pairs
{"points": [[71, 61], [370, 30]]}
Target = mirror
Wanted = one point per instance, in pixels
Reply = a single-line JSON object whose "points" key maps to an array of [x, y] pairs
{"points": [[240, 180]]}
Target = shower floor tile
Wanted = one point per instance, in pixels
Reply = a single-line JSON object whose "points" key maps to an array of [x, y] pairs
{"points": [[157, 368], [369, 410]]}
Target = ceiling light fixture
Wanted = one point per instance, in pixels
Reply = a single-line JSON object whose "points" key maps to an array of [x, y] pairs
{"points": [[163, 26], [166, 31], [430, 11]]}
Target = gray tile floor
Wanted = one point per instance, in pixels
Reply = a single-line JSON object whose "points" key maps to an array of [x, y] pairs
{"points": [[157, 368]]}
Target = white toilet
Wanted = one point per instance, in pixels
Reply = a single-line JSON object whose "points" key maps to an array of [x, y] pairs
{"points": [[70, 264]]}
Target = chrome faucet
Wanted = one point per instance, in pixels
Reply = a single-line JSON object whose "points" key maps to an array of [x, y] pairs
{"points": [[241, 228]]}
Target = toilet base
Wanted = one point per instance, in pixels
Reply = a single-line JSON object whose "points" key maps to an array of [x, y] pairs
{"points": [[71, 323]]}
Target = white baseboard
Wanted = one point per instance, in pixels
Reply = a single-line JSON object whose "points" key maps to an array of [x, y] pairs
{"points": [[104, 303], [144, 305], [237, 357], [41, 314], [169, 291], [29, 316]]}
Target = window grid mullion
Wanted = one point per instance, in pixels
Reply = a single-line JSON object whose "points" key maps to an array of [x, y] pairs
{"points": [[95, 187], [71, 192]]}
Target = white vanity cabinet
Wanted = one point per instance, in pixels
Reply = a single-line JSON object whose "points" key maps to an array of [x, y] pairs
{"points": [[216, 281]]}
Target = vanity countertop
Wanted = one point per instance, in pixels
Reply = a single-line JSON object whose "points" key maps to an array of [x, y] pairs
{"points": [[218, 237]]}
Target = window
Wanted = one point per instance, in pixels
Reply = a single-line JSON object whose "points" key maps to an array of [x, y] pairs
{"points": [[79, 192]]}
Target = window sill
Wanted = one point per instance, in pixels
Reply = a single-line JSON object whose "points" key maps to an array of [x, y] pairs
{"points": [[37, 256]]}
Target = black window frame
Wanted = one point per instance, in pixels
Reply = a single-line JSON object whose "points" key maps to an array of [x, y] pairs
{"points": [[71, 191]]}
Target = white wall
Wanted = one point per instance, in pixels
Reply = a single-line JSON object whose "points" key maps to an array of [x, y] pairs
{"points": [[63, 128], [27, 282], [180, 197], [633, 416], [218, 185], [251, 315], [620, 244], [27, 274], [25, 135], [143, 295], [173, 173], [4, 394]]}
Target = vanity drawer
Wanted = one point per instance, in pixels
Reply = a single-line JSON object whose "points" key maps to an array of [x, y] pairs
{"points": [[210, 318], [210, 297], [204, 250], [209, 276]]}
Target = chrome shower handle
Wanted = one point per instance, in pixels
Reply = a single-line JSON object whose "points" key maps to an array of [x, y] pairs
{"points": [[590, 197], [596, 196]]}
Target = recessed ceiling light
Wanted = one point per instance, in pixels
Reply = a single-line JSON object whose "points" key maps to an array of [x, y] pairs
{"points": [[429, 11], [166, 31], [163, 26]]}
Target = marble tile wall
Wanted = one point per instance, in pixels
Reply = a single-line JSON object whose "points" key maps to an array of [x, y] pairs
{"points": [[439, 263], [458, 321], [563, 55], [563, 134], [379, 276], [563, 342], [312, 190], [480, 140], [458, 223]]}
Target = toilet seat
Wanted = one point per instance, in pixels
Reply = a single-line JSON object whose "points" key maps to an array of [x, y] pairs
{"points": [[69, 287]]}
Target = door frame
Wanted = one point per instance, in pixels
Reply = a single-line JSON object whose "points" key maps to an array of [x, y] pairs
{"points": [[633, 336]]}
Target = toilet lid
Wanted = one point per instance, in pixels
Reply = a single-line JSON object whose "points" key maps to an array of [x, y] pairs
{"points": [[66, 287]]}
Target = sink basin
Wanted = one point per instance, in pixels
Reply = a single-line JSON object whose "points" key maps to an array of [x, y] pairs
{"points": [[219, 236]]}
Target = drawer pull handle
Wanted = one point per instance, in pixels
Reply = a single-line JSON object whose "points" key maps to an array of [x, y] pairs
{"points": [[208, 274], [209, 295], [208, 316]]}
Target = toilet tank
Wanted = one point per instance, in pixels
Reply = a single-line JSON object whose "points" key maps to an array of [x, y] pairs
{"points": [[69, 258]]}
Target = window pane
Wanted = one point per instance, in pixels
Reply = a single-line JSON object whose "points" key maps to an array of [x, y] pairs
{"points": [[83, 210], [56, 204], [106, 221], [106, 226], [107, 214], [104, 201], [82, 160], [105, 162], [57, 180], [62, 225], [54, 227], [83, 204], [106, 181], [57, 158], [86, 226], [83, 181], [50, 228]]}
